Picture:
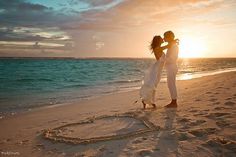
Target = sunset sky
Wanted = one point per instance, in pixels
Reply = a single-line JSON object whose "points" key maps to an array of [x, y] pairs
{"points": [[115, 28]]}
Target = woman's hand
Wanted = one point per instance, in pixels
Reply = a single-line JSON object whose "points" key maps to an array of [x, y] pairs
{"points": [[177, 41]]}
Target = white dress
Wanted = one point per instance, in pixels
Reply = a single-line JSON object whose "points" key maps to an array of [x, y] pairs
{"points": [[152, 77]]}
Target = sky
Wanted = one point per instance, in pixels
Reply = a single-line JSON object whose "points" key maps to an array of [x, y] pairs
{"points": [[115, 28]]}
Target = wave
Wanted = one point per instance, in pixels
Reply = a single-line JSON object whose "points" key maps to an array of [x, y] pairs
{"points": [[125, 81], [189, 76], [75, 85], [35, 80]]}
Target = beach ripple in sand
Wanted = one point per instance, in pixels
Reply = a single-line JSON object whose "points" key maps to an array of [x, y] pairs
{"points": [[229, 103]]}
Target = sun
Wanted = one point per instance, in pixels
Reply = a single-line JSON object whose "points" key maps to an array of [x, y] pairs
{"points": [[190, 47]]}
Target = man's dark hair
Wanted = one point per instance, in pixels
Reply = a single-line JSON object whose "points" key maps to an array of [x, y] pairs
{"points": [[169, 34]]}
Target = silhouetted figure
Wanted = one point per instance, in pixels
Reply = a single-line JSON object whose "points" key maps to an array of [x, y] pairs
{"points": [[171, 66], [153, 75]]}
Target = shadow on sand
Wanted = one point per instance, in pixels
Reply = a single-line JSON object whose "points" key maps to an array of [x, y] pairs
{"points": [[166, 139]]}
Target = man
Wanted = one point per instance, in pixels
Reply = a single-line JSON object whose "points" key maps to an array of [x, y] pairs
{"points": [[171, 67]]}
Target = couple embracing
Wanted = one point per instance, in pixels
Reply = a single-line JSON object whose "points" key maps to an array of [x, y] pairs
{"points": [[152, 76]]}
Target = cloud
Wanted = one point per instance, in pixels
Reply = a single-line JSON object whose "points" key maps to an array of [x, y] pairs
{"points": [[118, 22], [23, 13], [21, 20], [122, 15], [31, 34], [99, 2], [11, 4], [28, 6], [19, 5], [139, 13]]}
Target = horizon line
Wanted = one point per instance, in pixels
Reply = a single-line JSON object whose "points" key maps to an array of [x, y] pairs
{"points": [[11, 57]]}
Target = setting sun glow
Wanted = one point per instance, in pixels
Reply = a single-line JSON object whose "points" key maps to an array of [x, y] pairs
{"points": [[192, 47]]}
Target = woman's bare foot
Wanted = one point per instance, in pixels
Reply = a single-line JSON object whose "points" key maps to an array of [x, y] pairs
{"points": [[144, 104], [154, 106]]}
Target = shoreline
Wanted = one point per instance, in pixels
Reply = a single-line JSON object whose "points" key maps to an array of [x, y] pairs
{"points": [[189, 76], [184, 77]]}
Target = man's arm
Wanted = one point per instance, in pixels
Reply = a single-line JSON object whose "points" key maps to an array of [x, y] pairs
{"points": [[165, 47]]}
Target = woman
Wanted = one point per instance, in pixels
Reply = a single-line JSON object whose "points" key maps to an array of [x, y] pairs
{"points": [[153, 75]]}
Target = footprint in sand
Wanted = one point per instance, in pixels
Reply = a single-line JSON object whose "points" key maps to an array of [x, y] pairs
{"points": [[213, 99], [230, 103], [218, 143], [193, 110], [189, 122], [203, 131], [217, 115], [222, 123], [183, 136], [208, 92], [219, 87], [220, 108], [198, 100], [197, 122], [216, 103], [145, 152], [200, 113], [183, 120], [228, 98]]}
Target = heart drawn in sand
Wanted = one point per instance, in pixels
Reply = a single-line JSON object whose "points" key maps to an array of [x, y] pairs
{"points": [[101, 128]]}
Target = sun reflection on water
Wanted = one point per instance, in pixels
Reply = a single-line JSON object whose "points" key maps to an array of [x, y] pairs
{"points": [[186, 76]]}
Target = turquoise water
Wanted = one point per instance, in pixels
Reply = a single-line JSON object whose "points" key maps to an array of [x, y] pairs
{"points": [[29, 83]]}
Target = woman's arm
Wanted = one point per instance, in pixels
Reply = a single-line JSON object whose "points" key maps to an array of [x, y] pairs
{"points": [[158, 49], [176, 41], [158, 53]]}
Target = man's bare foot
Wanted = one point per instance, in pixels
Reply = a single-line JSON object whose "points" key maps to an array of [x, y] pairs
{"points": [[154, 106], [173, 104], [144, 105]]}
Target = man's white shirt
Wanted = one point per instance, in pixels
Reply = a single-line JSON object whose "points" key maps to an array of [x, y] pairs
{"points": [[172, 55]]}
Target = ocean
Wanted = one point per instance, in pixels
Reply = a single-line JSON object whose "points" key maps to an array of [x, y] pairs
{"points": [[27, 83]]}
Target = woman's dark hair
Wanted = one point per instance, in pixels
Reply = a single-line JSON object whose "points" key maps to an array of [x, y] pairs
{"points": [[156, 41]]}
